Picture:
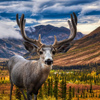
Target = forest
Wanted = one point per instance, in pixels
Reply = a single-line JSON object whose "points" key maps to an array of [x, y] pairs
{"points": [[61, 84]]}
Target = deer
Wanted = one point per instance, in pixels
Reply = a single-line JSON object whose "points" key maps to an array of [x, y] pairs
{"points": [[31, 74]]}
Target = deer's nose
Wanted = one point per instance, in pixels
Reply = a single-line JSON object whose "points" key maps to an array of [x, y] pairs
{"points": [[48, 61]]}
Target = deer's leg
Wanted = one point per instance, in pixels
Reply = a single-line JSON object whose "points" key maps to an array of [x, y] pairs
{"points": [[11, 88], [35, 97], [23, 94], [29, 95]]}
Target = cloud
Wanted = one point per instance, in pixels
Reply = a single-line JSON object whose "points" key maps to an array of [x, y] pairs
{"points": [[45, 8], [59, 8], [87, 28], [95, 6], [54, 12], [15, 6], [7, 29], [54, 22], [88, 23], [29, 20]]}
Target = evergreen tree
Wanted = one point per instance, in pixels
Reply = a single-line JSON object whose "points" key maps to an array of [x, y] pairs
{"points": [[99, 95], [51, 87], [91, 88], [73, 91], [93, 94], [96, 94], [45, 89], [48, 87], [70, 95], [87, 89], [40, 93], [78, 91], [81, 95], [63, 88], [78, 97], [83, 91], [86, 95], [56, 87]]}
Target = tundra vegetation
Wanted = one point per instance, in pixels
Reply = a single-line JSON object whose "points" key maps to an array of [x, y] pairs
{"points": [[72, 84]]}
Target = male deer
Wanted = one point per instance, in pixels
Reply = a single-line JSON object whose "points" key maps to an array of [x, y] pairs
{"points": [[31, 74]]}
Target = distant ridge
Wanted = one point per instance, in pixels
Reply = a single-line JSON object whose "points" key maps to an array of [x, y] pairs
{"points": [[85, 51], [10, 47]]}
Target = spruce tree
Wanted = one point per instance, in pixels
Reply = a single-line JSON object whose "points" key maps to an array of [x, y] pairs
{"points": [[87, 89], [91, 88], [45, 89], [56, 87], [78, 91], [41, 93], [48, 87], [65, 88], [81, 95], [51, 87], [70, 96], [62, 87], [73, 91], [86, 95], [99, 95]]}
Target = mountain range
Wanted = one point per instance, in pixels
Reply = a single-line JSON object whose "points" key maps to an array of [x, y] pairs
{"points": [[84, 51], [12, 46]]}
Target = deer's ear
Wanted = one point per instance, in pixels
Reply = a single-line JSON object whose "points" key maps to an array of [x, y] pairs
{"points": [[64, 48], [30, 47]]}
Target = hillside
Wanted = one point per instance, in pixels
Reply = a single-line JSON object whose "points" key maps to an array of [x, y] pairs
{"points": [[84, 51], [11, 46]]}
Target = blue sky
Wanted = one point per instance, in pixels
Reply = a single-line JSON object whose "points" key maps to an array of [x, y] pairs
{"points": [[43, 12]]}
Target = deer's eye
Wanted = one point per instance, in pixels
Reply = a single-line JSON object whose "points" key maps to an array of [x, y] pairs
{"points": [[53, 52], [41, 52]]}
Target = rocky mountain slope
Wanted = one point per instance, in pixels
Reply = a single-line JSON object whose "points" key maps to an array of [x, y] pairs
{"points": [[10, 47], [85, 51]]}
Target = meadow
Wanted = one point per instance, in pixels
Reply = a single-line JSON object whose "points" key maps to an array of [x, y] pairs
{"points": [[60, 85]]}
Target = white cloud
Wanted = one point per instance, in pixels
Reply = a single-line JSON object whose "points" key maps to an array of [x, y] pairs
{"points": [[60, 8], [86, 28], [86, 23], [7, 29], [14, 6], [28, 20], [54, 22], [86, 8]]}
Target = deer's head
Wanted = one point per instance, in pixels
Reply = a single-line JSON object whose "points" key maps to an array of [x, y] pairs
{"points": [[46, 52]]}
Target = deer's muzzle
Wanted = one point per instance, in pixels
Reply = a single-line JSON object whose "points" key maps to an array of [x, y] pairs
{"points": [[48, 61]]}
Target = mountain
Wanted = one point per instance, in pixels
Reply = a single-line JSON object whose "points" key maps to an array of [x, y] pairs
{"points": [[48, 31], [84, 51], [11, 46]]}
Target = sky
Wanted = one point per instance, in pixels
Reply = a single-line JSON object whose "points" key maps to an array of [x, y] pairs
{"points": [[44, 12]]}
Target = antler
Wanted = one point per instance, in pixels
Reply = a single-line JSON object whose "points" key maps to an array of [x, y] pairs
{"points": [[21, 24], [73, 30]]}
